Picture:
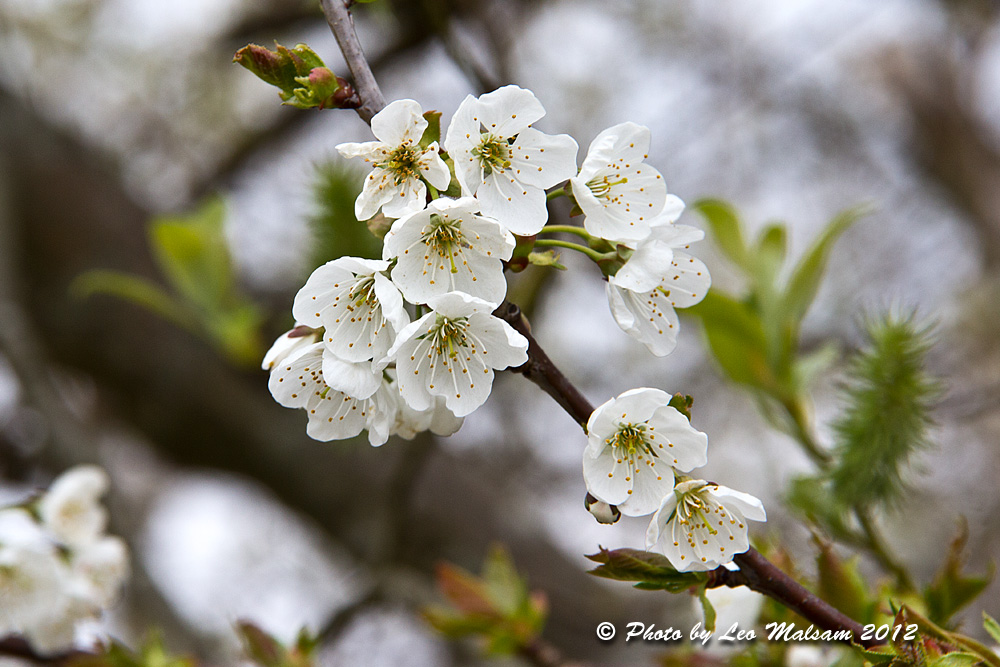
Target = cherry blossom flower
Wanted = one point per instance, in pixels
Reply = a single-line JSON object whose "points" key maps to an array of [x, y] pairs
{"points": [[71, 508], [452, 352], [702, 525], [101, 568], [659, 277], [618, 193], [449, 247], [358, 306], [504, 162], [636, 441], [398, 163], [333, 415]]}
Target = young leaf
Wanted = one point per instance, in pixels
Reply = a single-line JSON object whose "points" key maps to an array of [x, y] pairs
{"points": [[992, 627], [842, 585], [805, 279], [952, 589], [707, 609], [652, 571], [736, 338], [139, 291], [726, 232]]}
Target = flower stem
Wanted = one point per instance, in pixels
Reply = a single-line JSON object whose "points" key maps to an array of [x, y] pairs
{"points": [[555, 194], [589, 252], [566, 229]]}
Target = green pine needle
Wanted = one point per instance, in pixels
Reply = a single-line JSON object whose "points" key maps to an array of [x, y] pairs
{"points": [[889, 398]]}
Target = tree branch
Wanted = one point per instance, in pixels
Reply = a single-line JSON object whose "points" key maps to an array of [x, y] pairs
{"points": [[342, 25]]}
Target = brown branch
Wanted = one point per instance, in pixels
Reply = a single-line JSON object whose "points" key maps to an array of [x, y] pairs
{"points": [[342, 26]]}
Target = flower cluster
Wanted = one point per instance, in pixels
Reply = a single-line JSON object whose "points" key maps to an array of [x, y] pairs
{"points": [[408, 342], [57, 566], [638, 446]]}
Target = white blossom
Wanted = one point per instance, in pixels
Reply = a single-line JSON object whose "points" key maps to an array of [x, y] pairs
{"points": [[635, 442], [702, 525], [659, 277], [71, 508], [503, 161], [452, 352], [30, 577], [360, 308], [101, 568], [333, 415], [449, 247], [618, 193], [289, 344], [398, 163]]}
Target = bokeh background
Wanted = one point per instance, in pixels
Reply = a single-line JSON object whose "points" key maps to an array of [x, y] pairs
{"points": [[115, 113]]}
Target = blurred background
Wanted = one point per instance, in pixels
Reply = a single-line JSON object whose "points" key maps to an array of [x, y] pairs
{"points": [[159, 209]]}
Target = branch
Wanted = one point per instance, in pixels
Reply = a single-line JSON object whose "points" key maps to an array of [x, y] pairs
{"points": [[15, 646], [342, 26]]}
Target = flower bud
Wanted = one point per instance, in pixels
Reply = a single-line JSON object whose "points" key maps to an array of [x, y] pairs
{"points": [[602, 511]]}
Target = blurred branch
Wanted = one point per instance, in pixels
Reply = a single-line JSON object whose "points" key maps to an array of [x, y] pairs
{"points": [[17, 647]]}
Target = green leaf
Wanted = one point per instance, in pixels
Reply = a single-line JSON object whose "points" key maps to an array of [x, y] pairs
{"points": [[707, 609], [652, 571], [192, 251], [726, 232], [952, 589], [842, 585], [301, 76], [956, 659], [736, 338], [992, 627], [770, 256], [505, 587], [433, 131], [805, 279], [137, 290]]}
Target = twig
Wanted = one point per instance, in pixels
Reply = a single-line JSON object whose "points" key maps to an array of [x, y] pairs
{"points": [[543, 654], [342, 25]]}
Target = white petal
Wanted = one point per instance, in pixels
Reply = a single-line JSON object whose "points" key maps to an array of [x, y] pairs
{"points": [[382, 414], [654, 533], [408, 197], [626, 141], [434, 169], [518, 207], [457, 304], [647, 266], [677, 442], [370, 151], [463, 135], [506, 347], [687, 282], [638, 405], [378, 190], [508, 110], [543, 160], [287, 345], [391, 303], [400, 121], [293, 382], [652, 480], [354, 379], [602, 425], [606, 475], [749, 506], [648, 317]]}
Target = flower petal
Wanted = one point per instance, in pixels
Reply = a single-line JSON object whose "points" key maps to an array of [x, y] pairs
{"points": [[646, 267], [508, 110], [543, 160], [676, 441], [518, 207], [400, 121], [606, 475]]}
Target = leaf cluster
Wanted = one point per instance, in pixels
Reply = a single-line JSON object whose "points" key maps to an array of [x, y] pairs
{"points": [[264, 650], [193, 255], [302, 78], [497, 606]]}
